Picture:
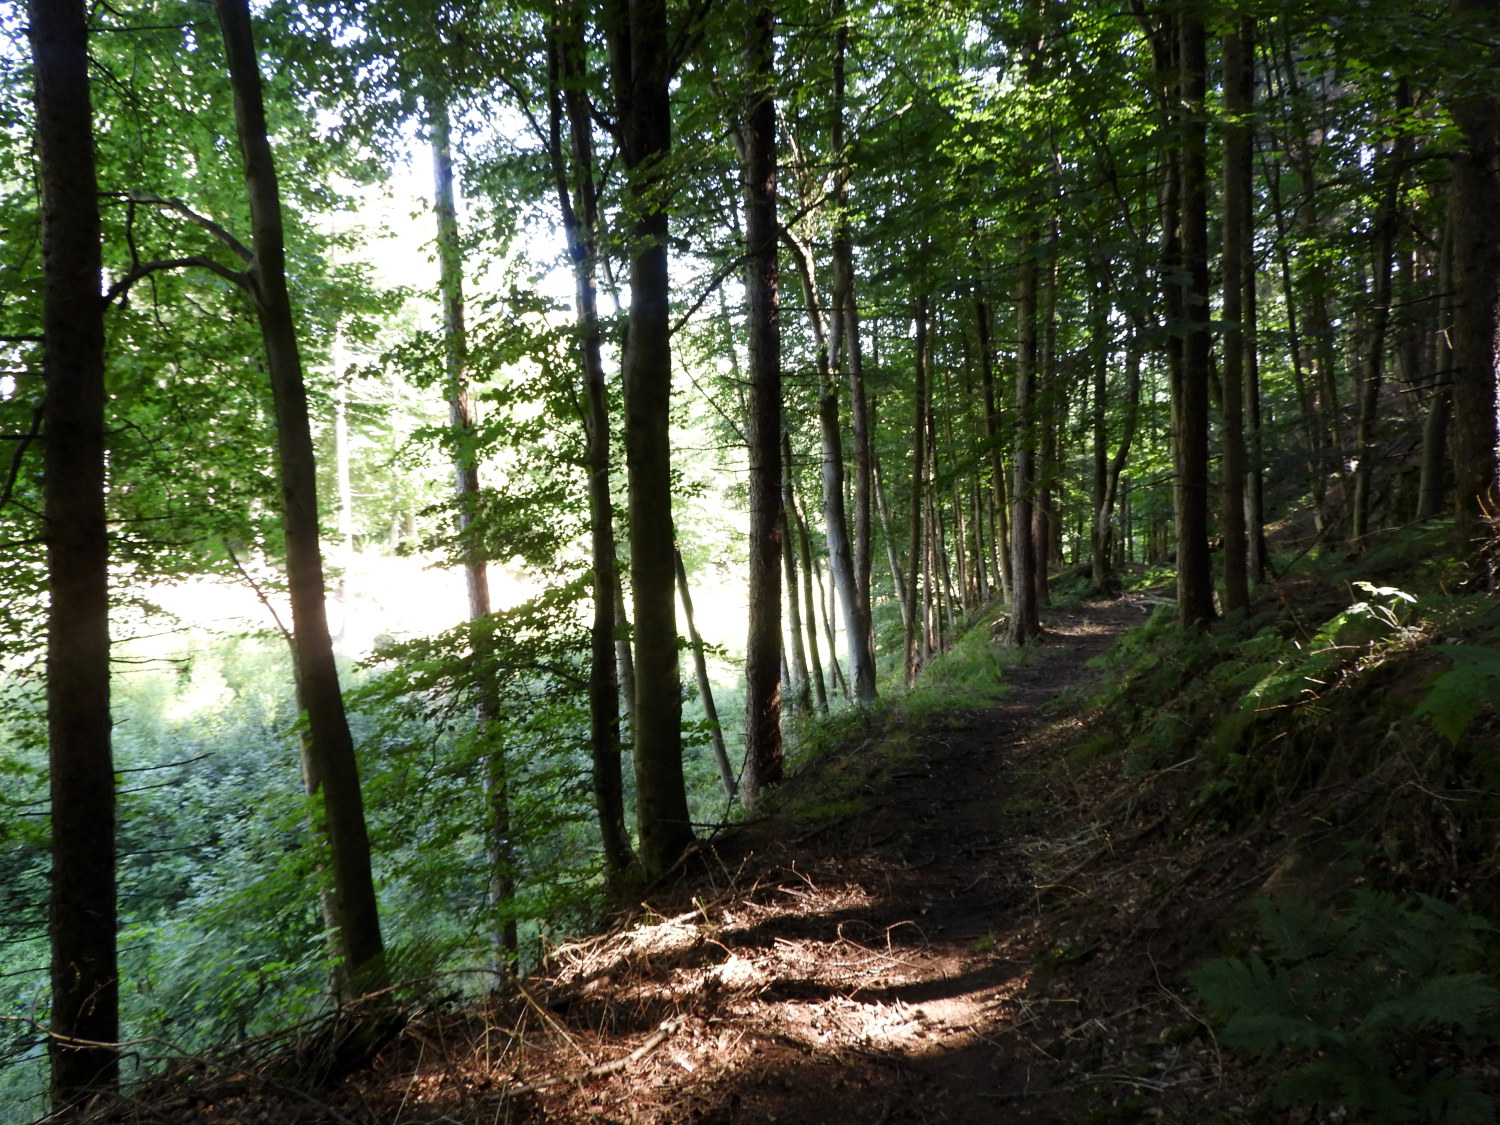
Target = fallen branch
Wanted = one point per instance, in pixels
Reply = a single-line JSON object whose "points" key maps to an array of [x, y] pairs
{"points": [[658, 1037]]}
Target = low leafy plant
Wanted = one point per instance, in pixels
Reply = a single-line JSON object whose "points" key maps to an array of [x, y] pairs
{"points": [[1373, 1010]]}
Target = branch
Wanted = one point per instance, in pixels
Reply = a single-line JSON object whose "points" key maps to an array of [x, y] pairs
{"points": [[7, 490], [213, 228], [260, 594], [721, 275], [120, 288], [663, 1032]]}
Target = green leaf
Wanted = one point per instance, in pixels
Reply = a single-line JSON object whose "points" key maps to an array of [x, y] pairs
{"points": [[1457, 695]]}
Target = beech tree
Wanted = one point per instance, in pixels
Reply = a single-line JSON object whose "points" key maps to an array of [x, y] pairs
{"points": [[85, 973], [641, 70], [329, 766], [763, 750]]}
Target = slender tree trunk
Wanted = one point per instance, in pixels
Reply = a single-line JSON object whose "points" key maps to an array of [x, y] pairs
{"points": [[983, 317], [795, 523], [1025, 622], [1237, 248], [328, 749], [1195, 589], [837, 680], [836, 524], [608, 647], [845, 340], [1433, 482], [1387, 220], [502, 883], [705, 686], [1049, 393], [82, 924], [639, 52], [799, 694], [914, 553], [763, 749], [1255, 506]]}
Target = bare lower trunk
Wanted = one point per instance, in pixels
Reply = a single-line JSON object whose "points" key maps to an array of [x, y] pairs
{"points": [[763, 748], [328, 749], [568, 105], [82, 921]]}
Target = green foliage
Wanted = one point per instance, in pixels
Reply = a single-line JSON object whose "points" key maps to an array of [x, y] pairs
{"points": [[1457, 695], [1377, 1009], [969, 674]]}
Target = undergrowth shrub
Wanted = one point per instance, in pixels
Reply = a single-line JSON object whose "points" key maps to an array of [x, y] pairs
{"points": [[1377, 1011]]}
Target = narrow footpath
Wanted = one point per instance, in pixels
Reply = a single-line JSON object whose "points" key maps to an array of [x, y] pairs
{"points": [[943, 923]]}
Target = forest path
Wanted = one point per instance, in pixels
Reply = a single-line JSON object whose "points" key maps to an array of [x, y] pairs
{"points": [[944, 922], [920, 952]]}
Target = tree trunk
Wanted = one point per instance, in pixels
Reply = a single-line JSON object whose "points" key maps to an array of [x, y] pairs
{"points": [[1474, 202], [1236, 253], [568, 107], [329, 764], [1387, 220], [705, 686], [798, 526], [836, 524], [763, 748], [992, 436], [1025, 622], [798, 697], [82, 924], [1195, 589], [845, 341], [500, 851], [914, 553], [639, 53]]}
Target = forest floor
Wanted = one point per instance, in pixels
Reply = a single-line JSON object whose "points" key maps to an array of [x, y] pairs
{"points": [[943, 922]]}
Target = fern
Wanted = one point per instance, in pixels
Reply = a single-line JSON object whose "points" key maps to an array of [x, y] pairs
{"points": [[1456, 696], [1362, 1009]]}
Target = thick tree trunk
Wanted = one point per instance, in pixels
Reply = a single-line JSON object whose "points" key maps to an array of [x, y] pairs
{"points": [[763, 748], [328, 749], [82, 924], [569, 108], [1474, 201], [639, 51]]}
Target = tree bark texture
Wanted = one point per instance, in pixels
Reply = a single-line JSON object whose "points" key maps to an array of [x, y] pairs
{"points": [[1195, 589], [1236, 253], [82, 922], [569, 109], [763, 749], [328, 749], [498, 834], [1025, 621], [1474, 201], [637, 31]]}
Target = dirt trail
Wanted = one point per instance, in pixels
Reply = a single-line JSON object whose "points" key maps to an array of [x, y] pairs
{"points": [[887, 963], [972, 936]]}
